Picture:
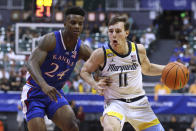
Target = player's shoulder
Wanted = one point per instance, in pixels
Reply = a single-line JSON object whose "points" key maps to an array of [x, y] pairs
{"points": [[99, 51], [50, 37], [47, 41], [141, 48]]}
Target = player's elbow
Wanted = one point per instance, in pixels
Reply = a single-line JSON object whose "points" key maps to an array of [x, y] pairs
{"points": [[28, 65], [146, 71]]}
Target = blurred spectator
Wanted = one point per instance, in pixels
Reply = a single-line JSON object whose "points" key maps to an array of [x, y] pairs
{"points": [[94, 43], [1, 126], [143, 40], [66, 88], [176, 26], [4, 73], [13, 57], [147, 38], [160, 89], [20, 116], [23, 71], [130, 20], [88, 38], [76, 83], [100, 7], [87, 87], [101, 43], [80, 114], [93, 91], [192, 65], [95, 29], [174, 57], [15, 81], [192, 89], [135, 39], [4, 84], [103, 29], [185, 18], [80, 88], [73, 106], [150, 36], [71, 89], [2, 35], [173, 125], [193, 124]]}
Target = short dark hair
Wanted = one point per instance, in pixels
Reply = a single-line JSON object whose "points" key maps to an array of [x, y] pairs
{"points": [[117, 19], [75, 11]]}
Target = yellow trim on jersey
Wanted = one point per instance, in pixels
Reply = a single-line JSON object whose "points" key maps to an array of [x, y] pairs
{"points": [[133, 46], [148, 124], [116, 114], [109, 53]]}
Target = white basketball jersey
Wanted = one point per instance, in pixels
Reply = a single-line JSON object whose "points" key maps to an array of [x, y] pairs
{"points": [[125, 72]]}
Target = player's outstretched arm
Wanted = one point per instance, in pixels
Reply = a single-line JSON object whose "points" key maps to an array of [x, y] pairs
{"points": [[36, 59], [38, 56], [147, 67], [91, 65]]}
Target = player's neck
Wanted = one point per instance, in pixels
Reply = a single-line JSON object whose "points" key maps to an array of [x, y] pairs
{"points": [[122, 49], [70, 41]]}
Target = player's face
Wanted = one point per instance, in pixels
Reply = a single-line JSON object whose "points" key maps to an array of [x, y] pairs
{"points": [[74, 24], [117, 34]]}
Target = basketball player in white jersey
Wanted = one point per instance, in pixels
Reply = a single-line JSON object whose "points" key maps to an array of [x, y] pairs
{"points": [[123, 63]]}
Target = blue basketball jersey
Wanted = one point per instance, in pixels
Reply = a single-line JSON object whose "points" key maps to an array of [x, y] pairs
{"points": [[58, 64]]}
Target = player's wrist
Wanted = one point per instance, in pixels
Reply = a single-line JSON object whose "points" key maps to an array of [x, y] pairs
{"points": [[43, 84]]}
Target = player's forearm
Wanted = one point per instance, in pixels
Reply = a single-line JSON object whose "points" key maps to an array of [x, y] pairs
{"points": [[88, 78], [34, 70], [154, 70]]}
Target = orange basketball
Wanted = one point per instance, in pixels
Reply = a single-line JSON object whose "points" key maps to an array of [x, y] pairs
{"points": [[175, 75]]}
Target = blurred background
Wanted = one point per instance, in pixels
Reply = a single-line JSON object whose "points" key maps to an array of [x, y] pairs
{"points": [[165, 27]]}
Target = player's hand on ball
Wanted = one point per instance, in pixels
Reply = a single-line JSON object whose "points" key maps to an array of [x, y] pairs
{"points": [[51, 92]]}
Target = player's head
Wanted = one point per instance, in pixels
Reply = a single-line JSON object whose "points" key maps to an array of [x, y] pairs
{"points": [[118, 30], [74, 20]]}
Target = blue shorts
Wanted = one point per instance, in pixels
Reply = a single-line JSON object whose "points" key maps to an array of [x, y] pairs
{"points": [[37, 104]]}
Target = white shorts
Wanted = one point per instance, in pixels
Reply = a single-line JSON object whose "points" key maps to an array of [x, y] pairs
{"points": [[139, 113]]}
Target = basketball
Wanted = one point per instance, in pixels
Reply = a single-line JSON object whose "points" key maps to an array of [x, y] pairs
{"points": [[175, 75]]}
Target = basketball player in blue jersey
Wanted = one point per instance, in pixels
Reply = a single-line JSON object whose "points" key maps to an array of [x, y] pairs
{"points": [[49, 66], [123, 62]]}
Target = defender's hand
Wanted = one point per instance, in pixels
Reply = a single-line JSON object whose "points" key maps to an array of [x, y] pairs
{"points": [[51, 92]]}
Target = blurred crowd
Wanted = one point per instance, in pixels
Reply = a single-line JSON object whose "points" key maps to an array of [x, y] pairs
{"points": [[185, 52], [12, 65]]}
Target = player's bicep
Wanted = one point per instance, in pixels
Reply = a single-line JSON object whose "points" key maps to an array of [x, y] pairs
{"points": [[45, 44], [145, 62], [94, 62], [38, 56]]}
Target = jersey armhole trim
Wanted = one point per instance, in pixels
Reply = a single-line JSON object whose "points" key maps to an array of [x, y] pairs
{"points": [[105, 58], [137, 54]]}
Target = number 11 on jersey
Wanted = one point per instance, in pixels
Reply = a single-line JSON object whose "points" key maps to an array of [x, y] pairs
{"points": [[123, 79]]}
